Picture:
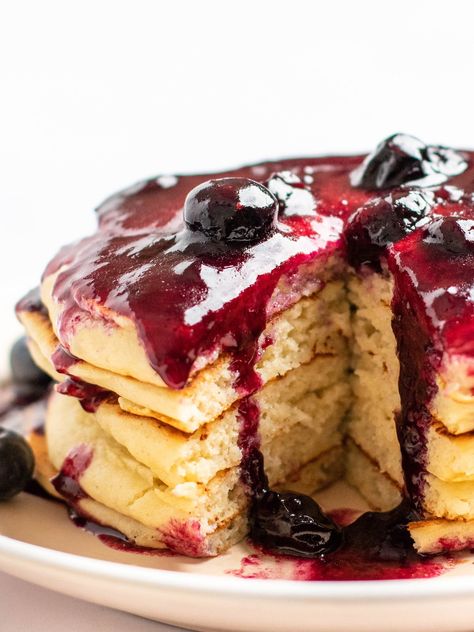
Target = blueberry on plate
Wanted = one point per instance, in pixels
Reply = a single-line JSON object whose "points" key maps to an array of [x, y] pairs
{"points": [[28, 379], [16, 463], [231, 209], [293, 524], [402, 159]]}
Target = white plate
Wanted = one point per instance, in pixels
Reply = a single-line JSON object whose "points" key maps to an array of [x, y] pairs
{"points": [[38, 543]]}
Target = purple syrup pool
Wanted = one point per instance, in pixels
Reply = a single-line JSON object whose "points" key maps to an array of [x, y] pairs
{"points": [[357, 560], [341, 566]]}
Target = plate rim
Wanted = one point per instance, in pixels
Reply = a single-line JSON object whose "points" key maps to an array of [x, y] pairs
{"points": [[204, 584]]}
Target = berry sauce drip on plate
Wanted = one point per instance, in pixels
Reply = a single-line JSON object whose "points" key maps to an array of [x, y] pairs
{"points": [[194, 263]]}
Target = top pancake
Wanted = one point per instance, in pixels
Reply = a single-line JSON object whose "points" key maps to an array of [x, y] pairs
{"points": [[146, 298], [167, 300]]}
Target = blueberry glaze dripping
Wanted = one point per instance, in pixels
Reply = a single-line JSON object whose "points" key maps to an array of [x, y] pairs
{"points": [[287, 522], [189, 295], [90, 396], [67, 481], [294, 524]]}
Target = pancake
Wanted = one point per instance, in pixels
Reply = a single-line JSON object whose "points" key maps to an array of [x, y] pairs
{"points": [[316, 325], [116, 479]]}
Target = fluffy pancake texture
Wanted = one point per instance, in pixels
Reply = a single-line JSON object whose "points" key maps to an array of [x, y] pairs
{"points": [[168, 474], [124, 473], [316, 325]]}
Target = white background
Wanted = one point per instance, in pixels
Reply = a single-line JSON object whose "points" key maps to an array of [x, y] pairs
{"points": [[97, 94]]}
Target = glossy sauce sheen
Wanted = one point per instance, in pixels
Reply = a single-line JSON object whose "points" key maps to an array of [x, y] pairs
{"points": [[190, 297]]}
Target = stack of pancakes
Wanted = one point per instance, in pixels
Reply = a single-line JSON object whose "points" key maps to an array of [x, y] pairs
{"points": [[164, 464]]}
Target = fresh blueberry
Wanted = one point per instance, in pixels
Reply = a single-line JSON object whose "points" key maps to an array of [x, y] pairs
{"points": [[294, 198], [455, 235], [231, 210], [401, 159], [28, 379], [293, 524], [384, 221], [16, 463]]}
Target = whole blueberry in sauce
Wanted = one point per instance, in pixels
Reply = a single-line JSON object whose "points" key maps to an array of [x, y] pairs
{"points": [[293, 524], [454, 235], [401, 159], [383, 221], [294, 198], [231, 210]]}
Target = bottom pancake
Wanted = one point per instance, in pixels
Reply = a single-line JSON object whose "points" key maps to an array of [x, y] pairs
{"points": [[430, 536], [102, 478], [185, 536]]}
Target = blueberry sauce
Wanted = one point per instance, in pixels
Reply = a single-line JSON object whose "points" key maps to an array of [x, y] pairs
{"points": [[67, 481], [293, 195], [432, 311], [285, 522], [292, 524], [235, 210], [251, 466], [344, 565], [63, 360], [89, 395], [201, 286], [184, 537], [124, 546], [375, 547], [383, 221], [191, 296], [31, 302], [113, 538]]}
